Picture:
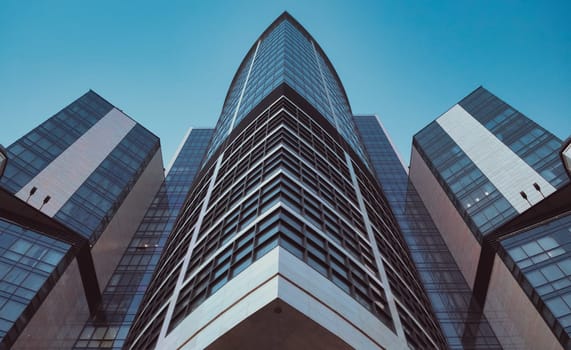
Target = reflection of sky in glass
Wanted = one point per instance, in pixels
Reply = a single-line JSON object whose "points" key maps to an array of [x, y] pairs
{"points": [[27, 260], [543, 254], [445, 285], [285, 54]]}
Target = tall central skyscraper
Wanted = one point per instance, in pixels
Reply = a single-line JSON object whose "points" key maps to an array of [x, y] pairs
{"points": [[286, 240], [292, 225]]}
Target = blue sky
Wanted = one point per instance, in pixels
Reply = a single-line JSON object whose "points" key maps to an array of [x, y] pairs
{"points": [[168, 64]]}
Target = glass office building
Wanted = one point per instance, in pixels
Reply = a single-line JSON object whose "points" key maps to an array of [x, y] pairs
{"points": [[286, 238], [461, 319], [495, 183], [540, 258], [29, 265], [470, 148], [292, 224], [286, 54], [63, 174], [126, 287]]}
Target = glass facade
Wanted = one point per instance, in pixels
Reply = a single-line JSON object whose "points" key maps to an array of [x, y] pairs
{"points": [[483, 207], [285, 181], [31, 263], [461, 320], [95, 202], [124, 291], [536, 256], [540, 258], [243, 201], [479, 202], [286, 53], [292, 178], [33, 152], [532, 143]]}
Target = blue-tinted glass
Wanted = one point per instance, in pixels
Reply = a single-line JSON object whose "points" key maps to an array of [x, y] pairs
{"points": [[33, 152], [483, 207], [536, 146], [28, 260], [31, 263], [445, 285], [541, 258], [286, 54], [90, 208], [126, 287]]}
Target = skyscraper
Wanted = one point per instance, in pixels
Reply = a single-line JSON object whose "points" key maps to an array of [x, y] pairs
{"points": [[123, 294], [495, 184], [461, 319], [73, 192], [292, 224], [286, 239]]}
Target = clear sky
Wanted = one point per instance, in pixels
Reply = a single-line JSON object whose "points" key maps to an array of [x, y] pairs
{"points": [[168, 64]]}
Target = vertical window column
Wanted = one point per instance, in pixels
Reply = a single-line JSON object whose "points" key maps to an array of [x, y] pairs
{"points": [[182, 273], [378, 259]]}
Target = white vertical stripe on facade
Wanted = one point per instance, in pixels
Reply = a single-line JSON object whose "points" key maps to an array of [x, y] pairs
{"points": [[378, 258], [186, 261], [505, 169], [63, 176], [243, 89]]}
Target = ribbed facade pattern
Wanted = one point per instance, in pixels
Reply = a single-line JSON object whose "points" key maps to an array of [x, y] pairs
{"points": [[286, 53], [461, 319], [286, 169], [287, 181], [124, 292]]}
